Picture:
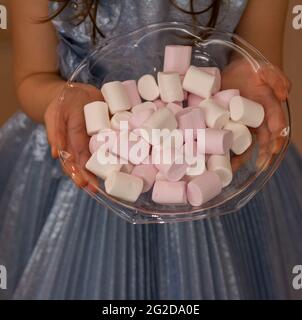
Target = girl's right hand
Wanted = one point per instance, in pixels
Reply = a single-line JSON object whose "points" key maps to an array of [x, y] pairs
{"points": [[66, 130]]}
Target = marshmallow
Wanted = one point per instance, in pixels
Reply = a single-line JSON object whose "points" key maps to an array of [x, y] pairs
{"points": [[161, 119], [198, 168], [132, 92], [191, 118], [116, 96], [165, 192], [223, 98], [147, 87], [194, 100], [130, 147], [96, 117], [124, 186], [174, 139], [199, 82], [242, 137], [247, 112], [177, 59], [216, 117], [159, 104], [105, 136], [144, 106], [216, 142], [170, 87], [160, 176], [127, 168], [203, 188], [102, 170], [174, 107], [216, 73], [94, 144], [118, 117], [172, 166], [138, 118], [148, 173], [221, 165], [184, 91], [190, 151]]}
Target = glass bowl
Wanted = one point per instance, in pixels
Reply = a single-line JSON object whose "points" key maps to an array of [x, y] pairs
{"points": [[141, 52]]}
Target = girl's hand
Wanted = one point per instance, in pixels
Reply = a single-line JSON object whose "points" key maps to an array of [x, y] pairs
{"points": [[269, 87], [66, 130]]}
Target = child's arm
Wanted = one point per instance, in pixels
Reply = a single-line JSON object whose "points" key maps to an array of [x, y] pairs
{"points": [[263, 26], [39, 84], [35, 59]]}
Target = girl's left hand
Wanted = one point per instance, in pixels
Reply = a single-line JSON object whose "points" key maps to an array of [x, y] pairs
{"points": [[269, 87]]}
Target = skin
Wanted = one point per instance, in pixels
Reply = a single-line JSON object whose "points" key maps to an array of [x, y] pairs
{"points": [[38, 83]]}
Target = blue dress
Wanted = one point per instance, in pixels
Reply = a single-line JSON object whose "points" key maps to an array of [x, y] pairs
{"points": [[58, 243]]}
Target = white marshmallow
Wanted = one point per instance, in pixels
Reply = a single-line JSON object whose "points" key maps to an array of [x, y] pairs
{"points": [[118, 117], [214, 71], [170, 87], [147, 87], [221, 165], [96, 117], [198, 168], [116, 96], [143, 106], [247, 112], [242, 137], [101, 170], [162, 119], [216, 116], [124, 186], [200, 83]]}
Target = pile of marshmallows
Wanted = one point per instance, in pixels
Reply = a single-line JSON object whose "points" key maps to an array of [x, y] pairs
{"points": [[149, 105]]}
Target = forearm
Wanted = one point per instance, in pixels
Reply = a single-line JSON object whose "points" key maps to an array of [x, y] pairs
{"points": [[36, 91], [263, 26]]}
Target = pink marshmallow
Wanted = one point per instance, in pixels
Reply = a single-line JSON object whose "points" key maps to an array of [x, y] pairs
{"points": [[165, 192], [174, 107], [224, 97], [177, 59], [104, 136], [191, 118], [217, 142], [194, 100], [148, 173], [132, 92], [203, 188], [138, 118]]}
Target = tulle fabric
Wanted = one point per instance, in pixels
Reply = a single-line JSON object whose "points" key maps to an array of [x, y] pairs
{"points": [[58, 243]]}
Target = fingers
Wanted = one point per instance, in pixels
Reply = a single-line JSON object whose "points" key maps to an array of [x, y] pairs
{"points": [[276, 79], [274, 114]]}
